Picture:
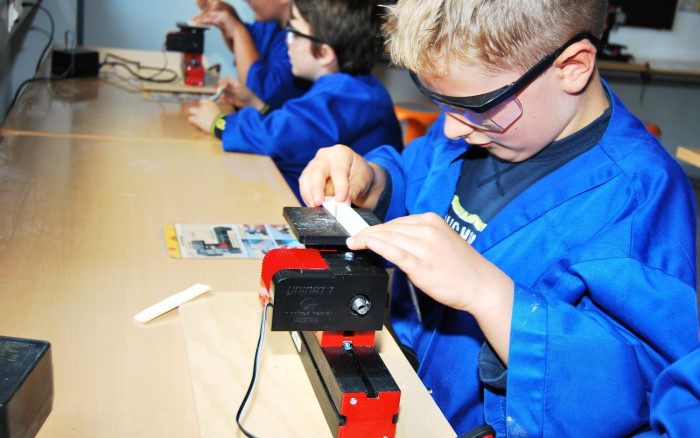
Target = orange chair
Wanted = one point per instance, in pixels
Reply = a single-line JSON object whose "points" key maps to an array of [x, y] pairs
{"points": [[653, 128], [417, 116]]}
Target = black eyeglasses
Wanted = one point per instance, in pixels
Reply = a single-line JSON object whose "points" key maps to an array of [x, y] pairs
{"points": [[497, 110], [293, 33]]}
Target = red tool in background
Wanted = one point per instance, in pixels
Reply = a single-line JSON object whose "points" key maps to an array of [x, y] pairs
{"points": [[190, 41]]}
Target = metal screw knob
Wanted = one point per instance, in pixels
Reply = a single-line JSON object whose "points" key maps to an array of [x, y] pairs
{"points": [[360, 305]]}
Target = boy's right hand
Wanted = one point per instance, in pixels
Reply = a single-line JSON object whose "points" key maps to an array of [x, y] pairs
{"points": [[341, 172], [236, 94], [219, 14]]}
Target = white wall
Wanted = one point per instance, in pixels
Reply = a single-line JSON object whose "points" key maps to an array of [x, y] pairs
{"points": [[19, 55], [142, 24], [679, 44]]}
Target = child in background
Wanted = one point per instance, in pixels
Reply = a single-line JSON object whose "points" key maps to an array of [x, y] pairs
{"points": [[259, 48], [550, 237], [334, 44]]}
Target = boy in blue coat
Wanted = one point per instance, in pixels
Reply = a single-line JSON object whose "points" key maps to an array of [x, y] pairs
{"points": [[549, 236], [333, 44], [262, 63]]}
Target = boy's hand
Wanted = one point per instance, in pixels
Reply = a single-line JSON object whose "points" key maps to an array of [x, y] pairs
{"points": [[216, 8], [222, 15], [238, 95], [340, 171], [202, 116], [444, 266]]}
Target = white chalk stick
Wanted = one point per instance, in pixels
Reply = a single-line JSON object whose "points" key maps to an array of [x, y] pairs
{"points": [[171, 302], [345, 215]]}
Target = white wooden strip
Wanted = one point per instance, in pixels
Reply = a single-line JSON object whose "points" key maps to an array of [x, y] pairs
{"points": [[171, 302], [345, 215]]}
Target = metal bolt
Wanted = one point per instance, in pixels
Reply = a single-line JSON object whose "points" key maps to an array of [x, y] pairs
{"points": [[360, 305], [349, 256], [353, 401]]}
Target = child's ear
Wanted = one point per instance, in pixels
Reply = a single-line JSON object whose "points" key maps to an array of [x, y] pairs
{"points": [[326, 56], [576, 66]]}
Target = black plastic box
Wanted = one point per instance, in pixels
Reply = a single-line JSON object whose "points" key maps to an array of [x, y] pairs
{"points": [[189, 39], [75, 63], [26, 386]]}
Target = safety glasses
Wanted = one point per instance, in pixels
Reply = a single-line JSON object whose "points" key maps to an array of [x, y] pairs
{"points": [[293, 33], [497, 110]]}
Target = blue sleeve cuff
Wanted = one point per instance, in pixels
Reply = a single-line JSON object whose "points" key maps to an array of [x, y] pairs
{"points": [[492, 372], [385, 198]]}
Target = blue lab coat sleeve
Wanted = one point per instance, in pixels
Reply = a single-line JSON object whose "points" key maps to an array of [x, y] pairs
{"points": [[270, 77], [602, 253], [675, 399], [339, 109]]}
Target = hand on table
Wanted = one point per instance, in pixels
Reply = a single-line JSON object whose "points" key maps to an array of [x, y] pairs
{"points": [[202, 115], [236, 94]]}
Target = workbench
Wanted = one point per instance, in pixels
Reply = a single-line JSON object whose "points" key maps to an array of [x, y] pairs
{"points": [[82, 202], [112, 105]]}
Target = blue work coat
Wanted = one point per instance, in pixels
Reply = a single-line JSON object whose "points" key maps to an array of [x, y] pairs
{"points": [[675, 400], [339, 108], [602, 254], [270, 77]]}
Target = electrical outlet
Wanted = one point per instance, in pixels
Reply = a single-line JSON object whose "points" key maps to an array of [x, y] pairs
{"points": [[14, 9]]}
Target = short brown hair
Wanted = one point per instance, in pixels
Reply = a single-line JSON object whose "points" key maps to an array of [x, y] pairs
{"points": [[499, 35], [350, 27]]}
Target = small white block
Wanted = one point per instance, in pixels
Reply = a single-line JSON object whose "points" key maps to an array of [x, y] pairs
{"points": [[345, 215], [171, 302]]}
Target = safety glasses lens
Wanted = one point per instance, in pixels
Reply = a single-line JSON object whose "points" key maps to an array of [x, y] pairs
{"points": [[498, 118]]}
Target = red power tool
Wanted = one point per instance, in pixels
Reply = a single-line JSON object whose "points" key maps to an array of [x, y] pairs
{"points": [[190, 41], [333, 301]]}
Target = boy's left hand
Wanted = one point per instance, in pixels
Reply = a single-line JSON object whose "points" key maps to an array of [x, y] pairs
{"points": [[446, 267], [202, 116]]}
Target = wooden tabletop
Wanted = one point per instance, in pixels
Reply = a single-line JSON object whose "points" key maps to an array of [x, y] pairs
{"points": [[112, 105], [689, 155], [81, 253], [221, 333], [688, 69]]}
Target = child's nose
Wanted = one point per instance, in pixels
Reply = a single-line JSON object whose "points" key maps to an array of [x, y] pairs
{"points": [[456, 128]]}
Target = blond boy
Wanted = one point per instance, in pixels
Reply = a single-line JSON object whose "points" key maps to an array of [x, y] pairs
{"points": [[550, 237]]}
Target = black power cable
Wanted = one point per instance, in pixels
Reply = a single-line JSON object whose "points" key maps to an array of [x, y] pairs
{"points": [[255, 372], [51, 34], [153, 78]]}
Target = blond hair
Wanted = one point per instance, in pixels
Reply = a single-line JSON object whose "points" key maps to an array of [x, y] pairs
{"points": [[499, 35]]}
